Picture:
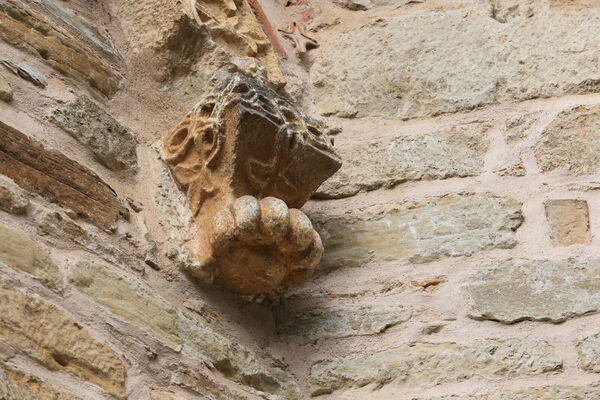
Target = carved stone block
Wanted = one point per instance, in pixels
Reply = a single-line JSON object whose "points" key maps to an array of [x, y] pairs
{"points": [[244, 155]]}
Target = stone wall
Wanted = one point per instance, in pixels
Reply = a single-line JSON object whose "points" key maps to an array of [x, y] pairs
{"points": [[460, 234]]}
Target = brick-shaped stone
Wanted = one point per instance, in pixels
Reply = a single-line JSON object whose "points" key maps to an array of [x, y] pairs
{"points": [[39, 330], [21, 253], [571, 142], [369, 165], [424, 230], [57, 178], [427, 365], [569, 222], [112, 144], [16, 385], [341, 322], [390, 68], [539, 290]]}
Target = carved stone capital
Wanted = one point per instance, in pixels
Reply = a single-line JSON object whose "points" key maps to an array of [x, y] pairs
{"points": [[247, 159]]}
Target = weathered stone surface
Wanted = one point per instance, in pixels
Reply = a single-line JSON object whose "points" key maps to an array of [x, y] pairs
{"points": [[589, 353], [15, 385], [390, 68], [112, 144], [516, 128], [452, 225], [244, 155], [559, 392], [61, 227], [26, 72], [138, 305], [197, 43], [23, 254], [515, 169], [57, 178], [539, 290], [156, 394], [207, 386], [22, 26], [571, 142], [454, 152], [341, 322], [6, 93], [12, 199], [425, 364], [569, 222], [38, 329]]}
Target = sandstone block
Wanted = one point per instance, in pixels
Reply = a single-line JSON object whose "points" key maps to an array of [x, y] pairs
{"points": [[12, 199], [6, 93], [57, 178], [424, 230], [23, 26], [111, 143], [427, 365], [16, 385], [589, 353], [569, 222], [39, 330], [390, 68], [454, 152], [23, 254], [137, 304], [539, 290], [559, 392], [571, 142], [341, 322]]}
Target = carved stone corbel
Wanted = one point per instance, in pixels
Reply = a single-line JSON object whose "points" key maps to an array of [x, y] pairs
{"points": [[248, 159]]}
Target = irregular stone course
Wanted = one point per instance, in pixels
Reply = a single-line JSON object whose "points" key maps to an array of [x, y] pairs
{"points": [[453, 152], [39, 330], [559, 392], [16, 385], [341, 322], [177, 330], [571, 142], [391, 68], [22, 254], [111, 143], [424, 230], [540, 290], [425, 365]]}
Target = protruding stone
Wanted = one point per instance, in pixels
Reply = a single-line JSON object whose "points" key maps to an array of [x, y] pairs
{"points": [[427, 365], [23, 26], [16, 385], [6, 93], [569, 222], [424, 230], [539, 290], [39, 330], [23, 254], [57, 178], [571, 142], [341, 322], [26, 72], [112, 144], [454, 152], [240, 145]]}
